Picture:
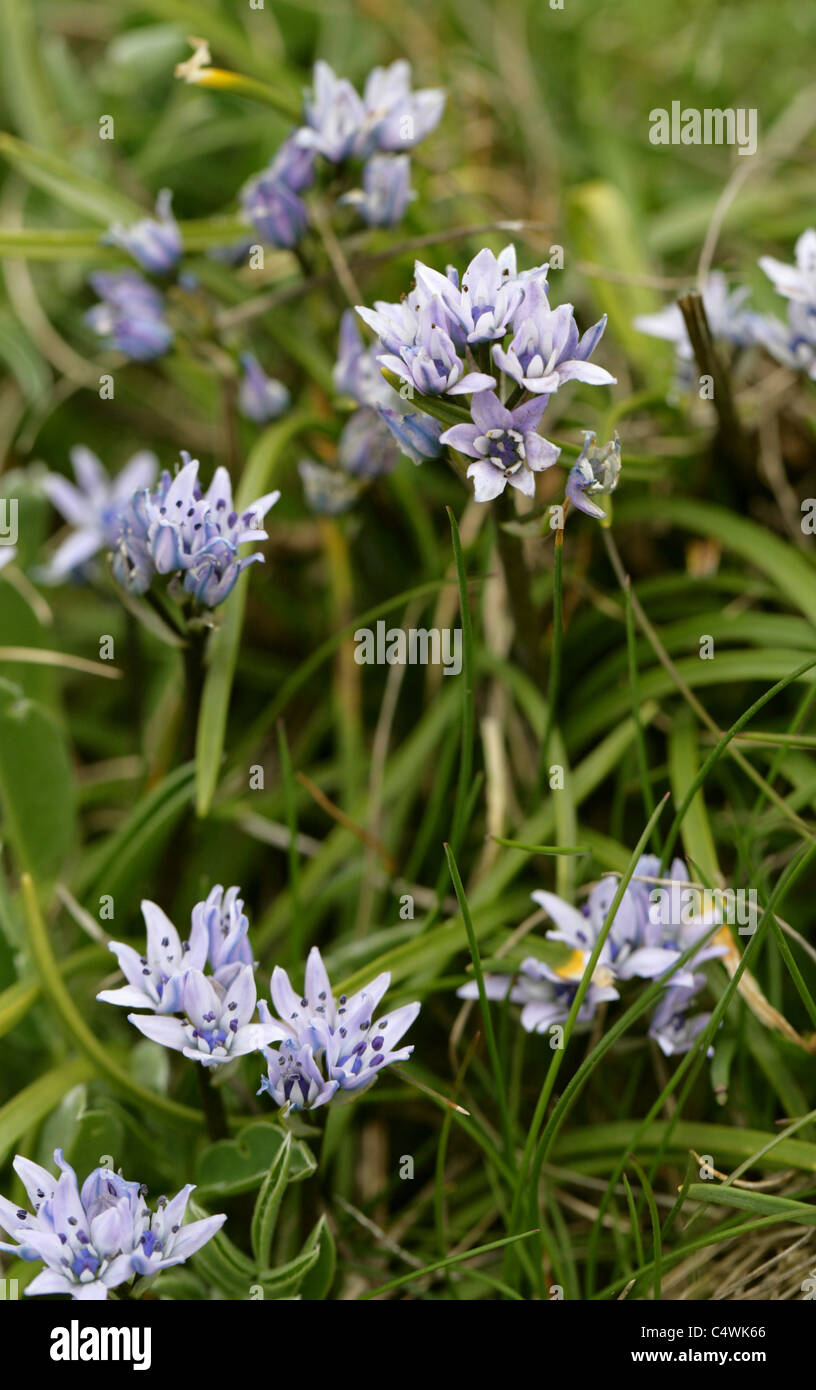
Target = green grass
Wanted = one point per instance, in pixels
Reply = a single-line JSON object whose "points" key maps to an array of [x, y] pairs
{"points": [[403, 819]]}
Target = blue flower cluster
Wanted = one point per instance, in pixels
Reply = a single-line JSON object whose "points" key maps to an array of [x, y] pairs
{"points": [[339, 126], [94, 1239], [642, 943], [375, 434], [317, 1046], [170, 527], [455, 338], [791, 341]]}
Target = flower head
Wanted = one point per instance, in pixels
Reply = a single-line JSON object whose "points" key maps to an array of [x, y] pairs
{"points": [[217, 1024], [94, 1239], [276, 211], [418, 436], [648, 934], [221, 922], [546, 350], [671, 1027], [294, 164], [155, 243], [504, 443], [386, 191], [92, 506], [357, 370], [177, 528], [130, 314], [260, 397], [219, 936], [431, 363], [339, 124], [328, 1043], [155, 980], [727, 316], [396, 118], [797, 282], [595, 471], [334, 116], [489, 296], [546, 995]]}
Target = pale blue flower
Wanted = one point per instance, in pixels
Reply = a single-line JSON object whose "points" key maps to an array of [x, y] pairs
{"points": [[260, 397], [294, 1079], [155, 243], [490, 293], [175, 528], [595, 472], [334, 116], [418, 436], [339, 124], [219, 937], [130, 314], [217, 1024], [728, 319], [431, 362], [639, 944], [96, 1239], [93, 506], [221, 921], [357, 370], [330, 1044], [792, 343], [155, 980], [276, 211], [397, 118], [294, 164], [504, 443], [386, 191], [796, 282], [671, 1027], [545, 995], [546, 350]]}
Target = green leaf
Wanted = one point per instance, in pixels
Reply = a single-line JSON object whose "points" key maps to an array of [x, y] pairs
{"points": [[760, 1203], [267, 1204], [37, 787], [684, 760], [16, 1001], [241, 1164], [222, 648], [793, 574], [221, 1262], [119, 855], [599, 216], [286, 1280], [319, 1279], [30, 1106], [92, 198]]}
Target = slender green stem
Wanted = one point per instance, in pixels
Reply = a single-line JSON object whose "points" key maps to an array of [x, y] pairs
{"points": [[634, 686], [212, 1104], [468, 713], [555, 658], [490, 1035]]}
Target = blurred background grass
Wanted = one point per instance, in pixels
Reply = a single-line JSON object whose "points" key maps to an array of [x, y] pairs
{"points": [[547, 122]]}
